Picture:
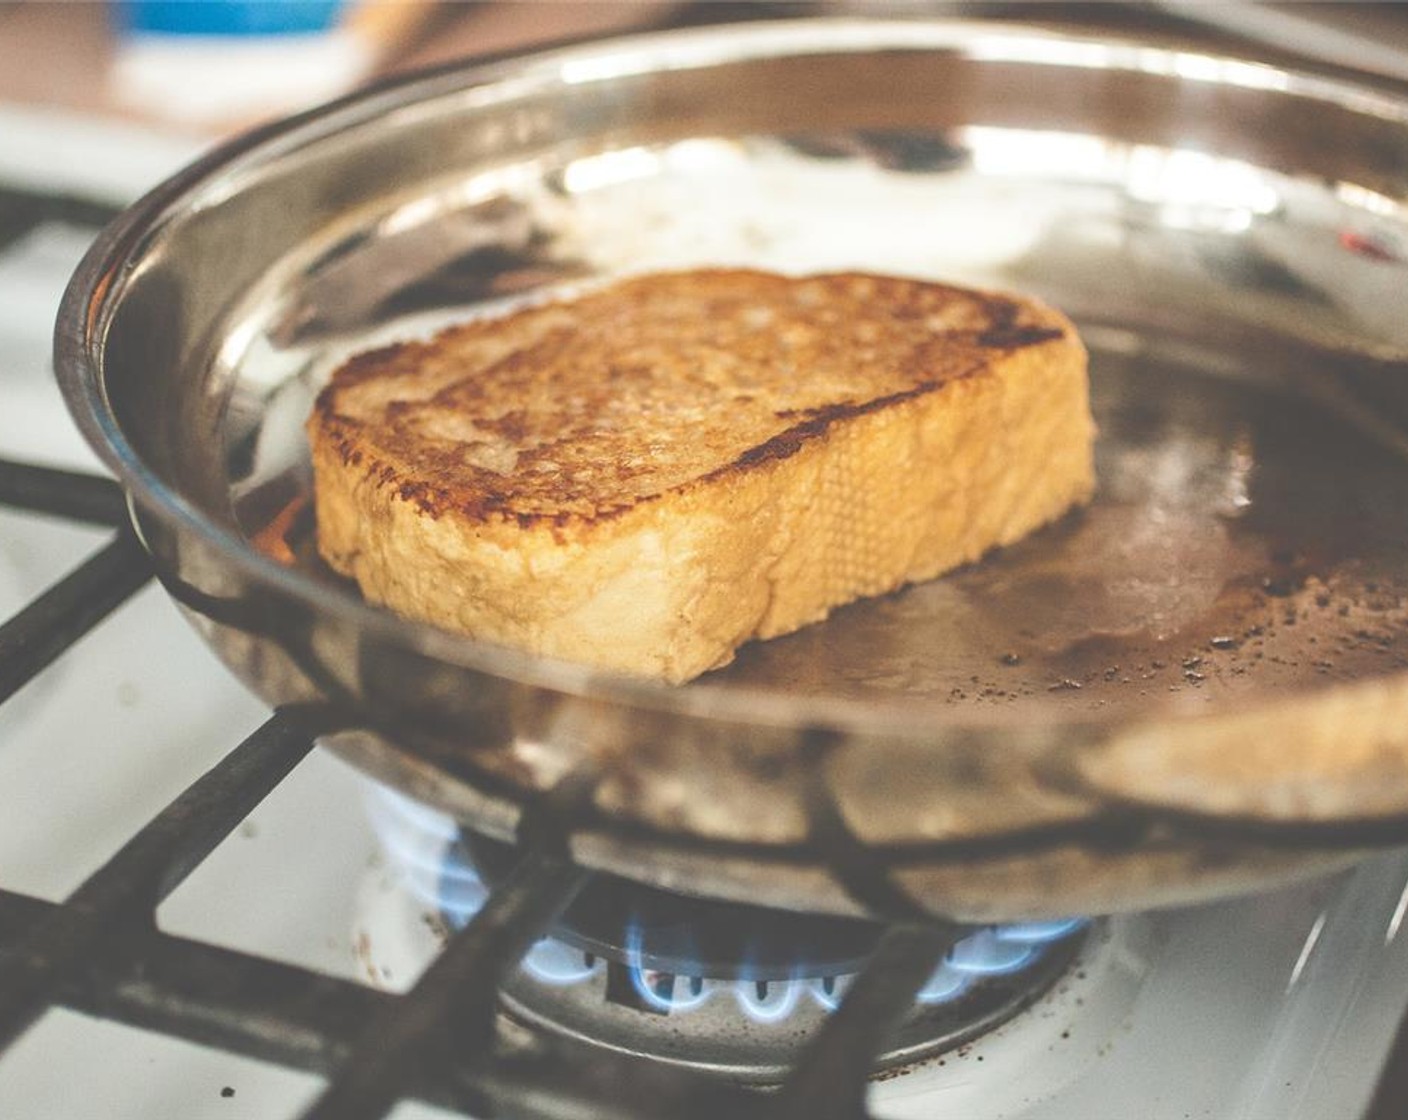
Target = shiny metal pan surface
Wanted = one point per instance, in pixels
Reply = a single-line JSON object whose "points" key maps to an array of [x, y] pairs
{"points": [[1198, 685]]}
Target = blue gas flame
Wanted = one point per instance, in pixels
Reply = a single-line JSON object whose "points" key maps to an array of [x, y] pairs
{"points": [[769, 1001], [553, 962], [423, 844], [986, 954], [829, 990], [1040, 933], [943, 986], [661, 990]]}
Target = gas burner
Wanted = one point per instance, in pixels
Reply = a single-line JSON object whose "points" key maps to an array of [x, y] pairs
{"points": [[721, 987], [666, 934]]}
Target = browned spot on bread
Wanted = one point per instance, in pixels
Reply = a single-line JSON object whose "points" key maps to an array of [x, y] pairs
{"points": [[789, 442]]}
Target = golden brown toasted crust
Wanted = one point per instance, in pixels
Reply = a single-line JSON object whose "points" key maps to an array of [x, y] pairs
{"points": [[550, 455]]}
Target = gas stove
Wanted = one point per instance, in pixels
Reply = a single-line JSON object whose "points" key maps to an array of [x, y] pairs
{"points": [[733, 990], [317, 896]]}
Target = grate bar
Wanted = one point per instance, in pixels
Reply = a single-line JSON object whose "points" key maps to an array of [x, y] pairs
{"points": [[22, 211], [281, 1013], [70, 494], [44, 629], [451, 1011], [114, 911], [829, 1081], [1392, 1089], [212, 995], [155, 861]]}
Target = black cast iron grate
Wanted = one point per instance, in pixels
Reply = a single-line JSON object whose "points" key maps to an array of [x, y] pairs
{"points": [[101, 952]]}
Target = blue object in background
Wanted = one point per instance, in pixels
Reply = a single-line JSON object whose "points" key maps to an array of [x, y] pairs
{"points": [[227, 17]]}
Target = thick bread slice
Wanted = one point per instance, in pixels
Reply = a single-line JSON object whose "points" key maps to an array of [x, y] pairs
{"points": [[646, 476]]}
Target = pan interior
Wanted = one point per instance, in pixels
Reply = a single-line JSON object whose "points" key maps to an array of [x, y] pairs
{"points": [[1249, 538]]}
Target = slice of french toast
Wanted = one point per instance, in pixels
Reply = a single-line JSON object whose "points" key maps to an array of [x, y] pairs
{"points": [[646, 476]]}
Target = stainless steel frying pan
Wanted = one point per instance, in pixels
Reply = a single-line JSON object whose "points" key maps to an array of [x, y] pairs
{"points": [[1198, 685]]}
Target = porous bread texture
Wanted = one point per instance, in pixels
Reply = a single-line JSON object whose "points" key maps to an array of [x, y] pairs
{"points": [[645, 477]]}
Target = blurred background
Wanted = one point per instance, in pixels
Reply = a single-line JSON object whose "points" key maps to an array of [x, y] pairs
{"points": [[207, 67], [214, 65]]}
